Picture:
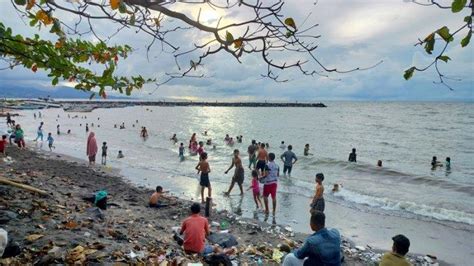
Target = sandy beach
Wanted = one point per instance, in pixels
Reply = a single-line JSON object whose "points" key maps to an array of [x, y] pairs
{"points": [[48, 228], [63, 228]]}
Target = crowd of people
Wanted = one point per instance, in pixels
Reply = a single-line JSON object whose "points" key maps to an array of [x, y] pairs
{"points": [[321, 248]]}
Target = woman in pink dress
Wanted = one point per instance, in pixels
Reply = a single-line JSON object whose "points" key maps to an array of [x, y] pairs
{"points": [[91, 148]]}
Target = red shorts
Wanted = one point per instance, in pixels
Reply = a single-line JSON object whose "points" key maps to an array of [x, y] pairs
{"points": [[270, 189]]}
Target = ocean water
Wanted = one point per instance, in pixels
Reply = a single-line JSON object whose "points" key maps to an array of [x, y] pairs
{"points": [[403, 135]]}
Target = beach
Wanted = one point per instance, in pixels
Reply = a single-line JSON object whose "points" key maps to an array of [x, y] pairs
{"points": [[431, 207], [49, 228]]}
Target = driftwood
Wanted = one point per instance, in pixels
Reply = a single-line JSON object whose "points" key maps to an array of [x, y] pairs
{"points": [[22, 186]]}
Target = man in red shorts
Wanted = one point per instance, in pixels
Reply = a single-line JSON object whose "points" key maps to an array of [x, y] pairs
{"points": [[270, 180]]}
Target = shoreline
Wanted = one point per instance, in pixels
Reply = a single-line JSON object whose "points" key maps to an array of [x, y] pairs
{"points": [[68, 180]]}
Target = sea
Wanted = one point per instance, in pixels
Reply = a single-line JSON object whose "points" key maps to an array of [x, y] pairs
{"points": [[404, 135]]}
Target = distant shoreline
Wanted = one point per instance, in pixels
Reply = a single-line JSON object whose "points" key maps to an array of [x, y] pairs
{"points": [[87, 106]]}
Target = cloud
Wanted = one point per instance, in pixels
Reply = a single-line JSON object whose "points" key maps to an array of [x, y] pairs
{"points": [[356, 33]]}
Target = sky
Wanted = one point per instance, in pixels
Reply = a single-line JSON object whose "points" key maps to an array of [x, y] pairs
{"points": [[354, 33]]}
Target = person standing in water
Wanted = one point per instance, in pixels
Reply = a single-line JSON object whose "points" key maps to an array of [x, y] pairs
{"points": [[251, 150], [9, 119], [181, 151], [91, 148], [353, 156], [104, 153], [192, 140], [287, 157], [239, 174], [39, 133], [58, 131], [19, 136], [270, 179], [448, 163], [204, 169], [144, 133], [262, 157], [50, 141], [306, 150], [318, 200], [87, 128]]}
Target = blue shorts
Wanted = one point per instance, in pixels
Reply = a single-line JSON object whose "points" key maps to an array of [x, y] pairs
{"points": [[208, 249]]}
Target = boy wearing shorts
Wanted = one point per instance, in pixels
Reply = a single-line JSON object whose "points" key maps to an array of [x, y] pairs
{"points": [[204, 169], [270, 180]]}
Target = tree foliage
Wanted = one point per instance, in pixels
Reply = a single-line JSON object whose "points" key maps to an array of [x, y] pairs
{"points": [[444, 37], [267, 33]]}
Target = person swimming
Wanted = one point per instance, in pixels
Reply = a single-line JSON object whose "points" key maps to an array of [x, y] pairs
{"points": [[435, 163], [379, 163], [120, 155]]}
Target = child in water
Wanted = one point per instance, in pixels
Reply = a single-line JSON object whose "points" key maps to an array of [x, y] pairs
{"points": [[318, 200], [448, 163], [120, 155], [255, 186], [181, 151], [204, 168], [306, 150], [104, 153], [50, 141]]}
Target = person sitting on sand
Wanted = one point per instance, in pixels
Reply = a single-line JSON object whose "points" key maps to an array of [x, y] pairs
{"points": [[195, 229], [155, 199], [400, 247], [321, 248], [353, 156], [3, 145], [120, 155], [318, 200], [239, 174]]}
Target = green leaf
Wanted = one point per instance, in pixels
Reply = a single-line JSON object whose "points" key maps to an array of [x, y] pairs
{"points": [[409, 73], [444, 33], [229, 37], [465, 40], [33, 22], [92, 96], [20, 2], [122, 8], [55, 81], [458, 5], [429, 43], [444, 58], [468, 19], [290, 22]]}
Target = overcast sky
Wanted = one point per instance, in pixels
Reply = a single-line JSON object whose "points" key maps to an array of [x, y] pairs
{"points": [[355, 33]]}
